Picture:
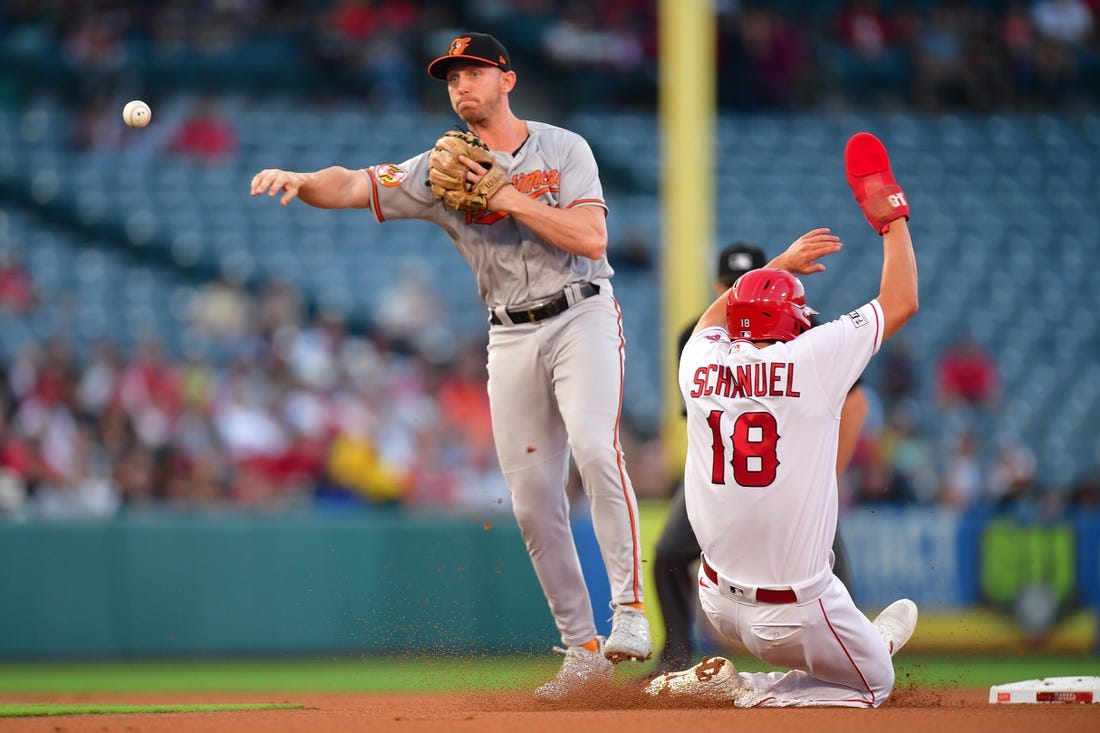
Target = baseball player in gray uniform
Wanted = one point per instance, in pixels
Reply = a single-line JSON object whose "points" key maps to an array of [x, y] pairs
{"points": [[764, 393], [556, 346]]}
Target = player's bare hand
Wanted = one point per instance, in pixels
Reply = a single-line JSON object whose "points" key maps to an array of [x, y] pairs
{"points": [[801, 258], [274, 181], [475, 173]]}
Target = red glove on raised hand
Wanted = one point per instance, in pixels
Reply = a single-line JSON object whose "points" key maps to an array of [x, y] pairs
{"points": [[868, 169]]}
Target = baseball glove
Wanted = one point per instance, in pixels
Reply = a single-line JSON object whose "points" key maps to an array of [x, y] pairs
{"points": [[867, 167], [447, 174]]}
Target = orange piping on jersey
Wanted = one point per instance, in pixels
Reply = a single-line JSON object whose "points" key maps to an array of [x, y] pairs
{"points": [[619, 452], [847, 654], [489, 217], [541, 191], [583, 202], [492, 217], [374, 196]]}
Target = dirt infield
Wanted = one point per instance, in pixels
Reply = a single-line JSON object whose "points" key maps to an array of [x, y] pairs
{"points": [[907, 711]]}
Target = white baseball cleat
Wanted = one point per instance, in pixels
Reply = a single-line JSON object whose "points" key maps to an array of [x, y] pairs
{"points": [[629, 638], [580, 669], [713, 679], [896, 624]]}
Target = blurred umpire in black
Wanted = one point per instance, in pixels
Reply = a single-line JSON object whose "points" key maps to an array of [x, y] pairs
{"points": [[677, 549]]}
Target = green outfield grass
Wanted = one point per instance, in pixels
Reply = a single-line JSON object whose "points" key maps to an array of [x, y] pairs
{"points": [[446, 674], [27, 710]]}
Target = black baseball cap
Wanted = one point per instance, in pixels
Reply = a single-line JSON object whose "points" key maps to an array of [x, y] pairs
{"points": [[738, 258], [480, 47]]}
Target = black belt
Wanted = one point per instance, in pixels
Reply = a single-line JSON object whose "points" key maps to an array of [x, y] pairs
{"points": [[545, 310]]}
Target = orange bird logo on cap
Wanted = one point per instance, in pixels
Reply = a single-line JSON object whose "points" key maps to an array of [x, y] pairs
{"points": [[458, 45]]}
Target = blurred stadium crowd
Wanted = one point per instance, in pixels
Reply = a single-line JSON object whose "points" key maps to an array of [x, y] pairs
{"points": [[929, 54], [294, 409], [273, 399]]}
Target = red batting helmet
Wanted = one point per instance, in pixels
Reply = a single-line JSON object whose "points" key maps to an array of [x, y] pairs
{"points": [[767, 305]]}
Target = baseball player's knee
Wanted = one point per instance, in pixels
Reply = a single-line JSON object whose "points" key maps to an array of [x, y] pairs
{"points": [[534, 507], [539, 485], [878, 674], [601, 469], [592, 444], [539, 531], [881, 683], [538, 510]]}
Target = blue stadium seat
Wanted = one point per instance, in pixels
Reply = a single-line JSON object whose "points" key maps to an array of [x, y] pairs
{"points": [[1004, 218]]}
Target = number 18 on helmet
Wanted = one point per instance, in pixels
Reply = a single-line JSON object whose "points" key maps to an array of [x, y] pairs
{"points": [[767, 305]]}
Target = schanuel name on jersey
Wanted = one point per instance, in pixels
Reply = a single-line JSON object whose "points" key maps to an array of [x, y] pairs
{"points": [[762, 379]]}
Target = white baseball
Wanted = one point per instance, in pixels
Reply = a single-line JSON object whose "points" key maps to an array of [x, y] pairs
{"points": [[136, 113]]}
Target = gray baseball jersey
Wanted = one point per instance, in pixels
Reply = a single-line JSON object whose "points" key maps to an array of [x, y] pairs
{"points": [[512, 265], [555, 385], [761, 492]]}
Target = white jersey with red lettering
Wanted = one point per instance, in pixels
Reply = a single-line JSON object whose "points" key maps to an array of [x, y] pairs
{"points": [[556, 383], [761, 492]]}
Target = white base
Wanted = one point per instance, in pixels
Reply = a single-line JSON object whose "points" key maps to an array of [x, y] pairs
{"points": [[1048, 689]]}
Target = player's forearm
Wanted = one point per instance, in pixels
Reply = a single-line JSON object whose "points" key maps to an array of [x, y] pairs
{"points": [[852, 415], [335, 187], [715, 314], [898, 292], [582, 230]]}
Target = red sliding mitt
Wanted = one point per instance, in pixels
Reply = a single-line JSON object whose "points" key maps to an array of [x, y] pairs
{"points": [[868, 169]]}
